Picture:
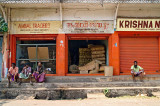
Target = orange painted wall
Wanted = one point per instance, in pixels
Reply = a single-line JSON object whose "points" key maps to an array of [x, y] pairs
{"points": [[61, 55], [159, 52], [115, 54], [110, 50], [66, 54]]}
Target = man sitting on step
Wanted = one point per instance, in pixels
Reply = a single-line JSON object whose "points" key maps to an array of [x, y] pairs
{"points": [[12, 73], [25, 74], [136, 70]]}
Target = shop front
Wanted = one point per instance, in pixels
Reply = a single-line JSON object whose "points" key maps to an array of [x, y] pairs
{"points": [[139, 40], [33, 42], [87, 41], [80, 43]]}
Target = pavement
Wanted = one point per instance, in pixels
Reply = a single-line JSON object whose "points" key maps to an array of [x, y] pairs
{"points": [[121, 101]]}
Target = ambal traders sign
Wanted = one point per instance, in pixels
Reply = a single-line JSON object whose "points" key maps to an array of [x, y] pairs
{"points": [[88, 27], [138, 24], [35, 27]]}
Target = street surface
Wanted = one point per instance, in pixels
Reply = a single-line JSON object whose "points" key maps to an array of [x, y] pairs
{"points": [[124, 101]]}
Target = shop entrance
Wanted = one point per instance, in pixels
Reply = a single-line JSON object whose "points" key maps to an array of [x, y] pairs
{"points": [[143, 50], [82, 53], [32, 52]]}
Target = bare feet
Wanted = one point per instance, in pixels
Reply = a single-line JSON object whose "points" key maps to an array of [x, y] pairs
{"points": [[31, 83], [19, 83], [144, 74], [134, 80], [9, 84]]}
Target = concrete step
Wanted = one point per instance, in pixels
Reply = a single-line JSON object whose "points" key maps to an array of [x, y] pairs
{"points": [[82, 84], [75, 79], [78, 87], [75, 93]]}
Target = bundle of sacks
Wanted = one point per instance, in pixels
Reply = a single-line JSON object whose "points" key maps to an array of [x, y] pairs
{"points": [[84, 56], [98, 53]]}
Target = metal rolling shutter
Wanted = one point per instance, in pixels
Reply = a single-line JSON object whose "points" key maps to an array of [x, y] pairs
{"points": [[144, 50]]}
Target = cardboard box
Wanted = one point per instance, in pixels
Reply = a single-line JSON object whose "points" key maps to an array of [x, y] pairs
{"points": [[42, 53], [108, 70], [84, 72], [102, 68]]}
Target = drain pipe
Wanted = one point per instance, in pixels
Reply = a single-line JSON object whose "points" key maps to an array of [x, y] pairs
{"points": [[3, 12], [115, 17], [8, 41], [6, 48], [61, 14], [102, 3]]}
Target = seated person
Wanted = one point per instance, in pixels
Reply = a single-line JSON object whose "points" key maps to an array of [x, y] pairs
{"points": [[12, 73], [21, 66], [136, 70], [25, 74], [39, 74]]}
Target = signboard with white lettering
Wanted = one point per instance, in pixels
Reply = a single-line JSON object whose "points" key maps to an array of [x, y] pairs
{"points": [[88, 27], [35, 27], [124, 24]]}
